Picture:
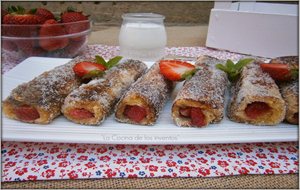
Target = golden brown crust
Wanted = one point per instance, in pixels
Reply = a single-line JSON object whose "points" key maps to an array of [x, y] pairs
{"points": [[256, 86], [205, 90], [100, 95], [151, 92], [45, 93]]}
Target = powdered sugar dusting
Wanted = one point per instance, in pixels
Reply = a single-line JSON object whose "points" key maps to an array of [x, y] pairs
{"points": [[49, 89]]}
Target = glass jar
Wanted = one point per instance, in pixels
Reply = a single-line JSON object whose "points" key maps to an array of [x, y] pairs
{"points": [[143, 36]]}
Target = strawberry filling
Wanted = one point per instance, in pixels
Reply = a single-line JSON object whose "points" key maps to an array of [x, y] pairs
{"points": [[256, 109], [26, 113], [135, 113], [196, 115], [81, 113]]}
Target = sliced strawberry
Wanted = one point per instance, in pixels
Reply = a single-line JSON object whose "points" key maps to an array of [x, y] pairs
{"points": [[197, 117], [176, 70], [279, 72], [135, 113], [49, 29], [256, 109], [26, 113], [81, 113], [83, 68], [185, 112]]}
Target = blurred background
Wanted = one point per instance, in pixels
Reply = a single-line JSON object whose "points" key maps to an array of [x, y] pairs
{"points": [[189, 18], [109, 13]]}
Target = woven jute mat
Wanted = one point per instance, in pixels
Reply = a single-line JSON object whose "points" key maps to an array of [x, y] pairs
{"points": [[289, 181]]}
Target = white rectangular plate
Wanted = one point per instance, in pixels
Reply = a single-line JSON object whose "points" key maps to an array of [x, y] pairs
{"points": [[113, 132]]}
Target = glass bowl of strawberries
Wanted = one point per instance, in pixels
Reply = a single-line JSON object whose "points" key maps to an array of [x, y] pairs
{"points": [[38, 32]]}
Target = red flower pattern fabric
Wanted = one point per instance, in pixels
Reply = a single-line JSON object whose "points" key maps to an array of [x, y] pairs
{"points": [[114, 161], [22, 161]]}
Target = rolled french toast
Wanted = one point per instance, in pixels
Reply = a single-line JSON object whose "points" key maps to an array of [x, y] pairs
{"points": [[91, 103], [142, 103], [290, 94], [40, 100], [201, 99], [290, 89], [255, 98]]}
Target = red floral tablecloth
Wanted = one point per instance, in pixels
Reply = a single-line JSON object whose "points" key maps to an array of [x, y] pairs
{"points": [[38, 161]]}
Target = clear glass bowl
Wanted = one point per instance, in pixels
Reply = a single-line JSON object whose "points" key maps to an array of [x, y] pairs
{"points": [[26, 40]]}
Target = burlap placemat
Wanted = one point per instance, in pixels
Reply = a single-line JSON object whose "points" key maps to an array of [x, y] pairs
{"points": [[289, 181]]}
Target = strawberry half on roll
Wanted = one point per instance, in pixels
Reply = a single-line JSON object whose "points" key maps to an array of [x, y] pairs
{"points": [[201, 99], [145, 99], [91, 103]]}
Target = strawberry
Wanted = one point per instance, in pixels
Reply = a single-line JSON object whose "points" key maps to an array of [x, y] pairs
{"points": [[18, 15], [256, 109], [279, 72], [81, 113], [44, 13], [135, 113], [49, 29], [197, 117], [26, 113], [175, 70], [71, 16], [195, 114], [16, 18], [87, 69]]}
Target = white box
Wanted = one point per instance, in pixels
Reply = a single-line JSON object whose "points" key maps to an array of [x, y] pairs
{"points": [[260, 29]]}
